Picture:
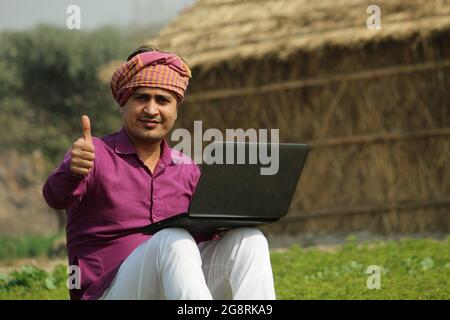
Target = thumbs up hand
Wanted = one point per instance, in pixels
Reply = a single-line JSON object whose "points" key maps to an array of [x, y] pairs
{"points": [[82, 153], [86, 125]]}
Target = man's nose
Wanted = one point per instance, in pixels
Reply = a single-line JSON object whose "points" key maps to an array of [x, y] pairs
{"points": [[151, 107]]}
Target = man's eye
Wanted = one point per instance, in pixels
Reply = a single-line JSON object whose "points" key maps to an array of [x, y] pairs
{"points": [[141, 98], [163, 100]]}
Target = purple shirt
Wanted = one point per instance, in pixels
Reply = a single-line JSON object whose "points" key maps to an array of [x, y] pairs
{"points": [[106, 209]]}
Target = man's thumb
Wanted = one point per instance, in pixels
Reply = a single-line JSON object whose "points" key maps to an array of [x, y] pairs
{"points": [[86, 125]]}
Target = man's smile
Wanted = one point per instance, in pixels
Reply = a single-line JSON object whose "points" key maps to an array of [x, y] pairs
{"points": [[150, 123]]}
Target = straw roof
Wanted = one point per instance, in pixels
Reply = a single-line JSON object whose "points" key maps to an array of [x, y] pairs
{"points": [[214, 31]]}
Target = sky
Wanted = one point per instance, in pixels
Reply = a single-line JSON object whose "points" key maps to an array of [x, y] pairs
{"points": [[23, 14]]}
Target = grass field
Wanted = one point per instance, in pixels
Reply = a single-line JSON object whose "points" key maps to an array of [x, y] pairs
{"points": [[410, 269]]}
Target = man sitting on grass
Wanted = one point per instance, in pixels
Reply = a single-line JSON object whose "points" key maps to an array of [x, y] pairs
{"points": [[113, 186]]}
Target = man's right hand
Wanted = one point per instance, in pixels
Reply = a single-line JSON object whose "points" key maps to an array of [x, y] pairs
{"points": [[82, 153]]}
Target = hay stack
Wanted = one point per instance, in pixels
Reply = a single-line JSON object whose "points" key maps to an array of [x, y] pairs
{"points": [[374, 104]]}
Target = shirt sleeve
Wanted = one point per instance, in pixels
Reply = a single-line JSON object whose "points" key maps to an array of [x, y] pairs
{"points": [[63, 189], [194, 177]]}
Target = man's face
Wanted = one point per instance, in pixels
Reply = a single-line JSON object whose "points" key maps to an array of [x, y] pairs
{"points": [[149, 114]]}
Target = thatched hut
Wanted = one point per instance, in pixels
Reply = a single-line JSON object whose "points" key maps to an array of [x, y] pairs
{"points": [[373, 104]]}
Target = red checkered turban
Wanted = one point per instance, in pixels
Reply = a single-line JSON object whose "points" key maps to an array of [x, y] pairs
{"points": [[150, 69]]}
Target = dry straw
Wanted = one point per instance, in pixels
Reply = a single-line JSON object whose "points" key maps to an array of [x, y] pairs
{"points": [[374, 105]]}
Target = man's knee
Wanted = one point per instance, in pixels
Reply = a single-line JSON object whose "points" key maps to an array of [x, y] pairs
{"points": [[249, 238], [175, 241], [172, 234]]}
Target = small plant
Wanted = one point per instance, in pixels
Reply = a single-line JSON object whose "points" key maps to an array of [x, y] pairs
{"points": [[32, 277]]}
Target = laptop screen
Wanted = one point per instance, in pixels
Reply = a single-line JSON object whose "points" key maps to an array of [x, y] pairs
{"points": [[234, 185]]}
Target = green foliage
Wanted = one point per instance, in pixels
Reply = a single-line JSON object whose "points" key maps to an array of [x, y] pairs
{"points": [[49, 78], [26, 246], [410, 269], [33, 283]]}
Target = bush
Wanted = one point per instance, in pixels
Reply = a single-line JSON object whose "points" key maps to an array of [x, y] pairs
{"points": [[33, 283], [49, 78], [26, 246]]}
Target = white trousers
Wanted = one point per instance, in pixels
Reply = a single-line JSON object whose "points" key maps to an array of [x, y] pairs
{"points": [[170, 265]]}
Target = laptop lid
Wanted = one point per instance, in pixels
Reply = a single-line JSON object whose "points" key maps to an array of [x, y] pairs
{"points": [[239, 188]]}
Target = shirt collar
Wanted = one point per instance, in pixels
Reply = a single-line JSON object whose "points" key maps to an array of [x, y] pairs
{"points": [[123, 143], [125, 146], [166, 153]]}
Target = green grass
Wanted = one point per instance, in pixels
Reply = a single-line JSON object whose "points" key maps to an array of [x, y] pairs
{"points": [[33, 283], [26, 246], [411, 269]]}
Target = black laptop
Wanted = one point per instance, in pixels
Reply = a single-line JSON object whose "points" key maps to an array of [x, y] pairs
{"points": [[242, 192]]}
